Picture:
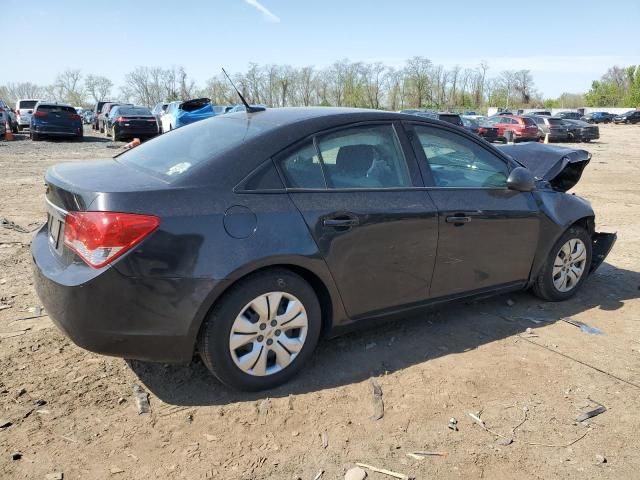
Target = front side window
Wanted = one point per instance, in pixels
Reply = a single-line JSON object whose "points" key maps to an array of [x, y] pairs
{"points": [[363, 157], [456, 161]]}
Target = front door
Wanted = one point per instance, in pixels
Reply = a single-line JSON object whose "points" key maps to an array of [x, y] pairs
{"points": [[375, 229], [488, 233]]}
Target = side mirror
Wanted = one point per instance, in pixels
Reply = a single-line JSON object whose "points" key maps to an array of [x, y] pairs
{"points": [[521, 179]]}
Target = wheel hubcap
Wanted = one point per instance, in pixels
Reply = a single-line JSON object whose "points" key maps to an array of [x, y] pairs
{"points": [[268, 334], [569, 265]]}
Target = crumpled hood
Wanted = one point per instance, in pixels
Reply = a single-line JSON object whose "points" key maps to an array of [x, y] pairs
{"points": [[562, 167]]}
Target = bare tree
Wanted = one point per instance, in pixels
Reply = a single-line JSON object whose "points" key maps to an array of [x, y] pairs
{"points": [[507, 79], [98, 87], [418, 75], [68, 87], [374, 80], [523, 84]]}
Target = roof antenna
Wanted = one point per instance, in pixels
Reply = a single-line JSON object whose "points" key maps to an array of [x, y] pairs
{"points": [[250, 109]]}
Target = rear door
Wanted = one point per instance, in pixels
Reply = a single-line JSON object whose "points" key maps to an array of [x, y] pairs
{"points": [[358, 188], [488, 234]]}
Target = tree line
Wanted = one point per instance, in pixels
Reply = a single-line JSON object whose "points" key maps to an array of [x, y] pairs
{"points": [[418, 84]]}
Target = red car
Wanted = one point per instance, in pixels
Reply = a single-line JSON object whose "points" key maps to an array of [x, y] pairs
{"points": [[523, 128]]}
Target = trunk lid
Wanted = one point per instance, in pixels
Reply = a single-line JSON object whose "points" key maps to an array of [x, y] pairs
{"points": [[560, 166]]}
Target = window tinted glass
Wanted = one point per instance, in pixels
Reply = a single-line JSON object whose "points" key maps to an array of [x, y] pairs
{"points": [[364, 157], [133, 111], [27, 103], [529, 122], [302, 168], [454, 119], [538, 120], [554, 121], [56, 109], [456, 161], [174, 153]]}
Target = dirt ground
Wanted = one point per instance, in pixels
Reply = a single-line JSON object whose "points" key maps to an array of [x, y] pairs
{"points": [[74, 412]]}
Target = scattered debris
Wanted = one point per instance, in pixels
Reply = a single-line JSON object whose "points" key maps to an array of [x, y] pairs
{"points": [[142, 399], [583, 326], [401, 476], [16, 456], [4, 307], [264, 407], [54, 476], [601, 459], [378, 404], [428, 453], [115, 470], [35, 310], [591, 413], [477, 419], [324, 438], [355, 473], [121, 400], [38, 403], [5, 424], [210, 438], [453, 424], [21, 392], [6, 223], [295, 434], [318, 475], [504, 441]]}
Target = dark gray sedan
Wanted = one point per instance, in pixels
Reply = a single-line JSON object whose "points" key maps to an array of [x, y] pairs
{"points": [[249, 236]]}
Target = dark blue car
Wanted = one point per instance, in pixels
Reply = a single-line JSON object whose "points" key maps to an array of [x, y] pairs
{"points": [[55, 120]]}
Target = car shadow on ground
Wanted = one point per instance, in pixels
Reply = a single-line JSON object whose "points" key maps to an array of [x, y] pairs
{"points": [[454, 328]]}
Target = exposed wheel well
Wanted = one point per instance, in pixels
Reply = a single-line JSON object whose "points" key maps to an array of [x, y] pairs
{"points": [[324, 298], [588, 223]]}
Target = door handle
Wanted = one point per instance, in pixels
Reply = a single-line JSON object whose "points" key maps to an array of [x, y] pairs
{"points": [[340, 222], [460, 220]]}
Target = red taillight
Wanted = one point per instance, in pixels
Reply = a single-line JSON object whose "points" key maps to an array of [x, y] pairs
{"points": [[101, 237], [40, 114]]}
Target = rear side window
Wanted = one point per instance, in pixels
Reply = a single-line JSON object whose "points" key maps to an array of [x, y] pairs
{"points": [[173, 154], [364, 157], [554, 121], [454, 119], [529, 121], [456, 161], [302, 169]]}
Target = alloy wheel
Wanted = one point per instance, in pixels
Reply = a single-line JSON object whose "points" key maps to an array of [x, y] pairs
{"points": [[569, 265], [268, 334]]}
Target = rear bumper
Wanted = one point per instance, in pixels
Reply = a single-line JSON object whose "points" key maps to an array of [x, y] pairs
{"points": [[56, 130], [106, 312]]}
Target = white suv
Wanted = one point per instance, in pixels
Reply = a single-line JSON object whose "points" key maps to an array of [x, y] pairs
{"points": [[24, 110]]}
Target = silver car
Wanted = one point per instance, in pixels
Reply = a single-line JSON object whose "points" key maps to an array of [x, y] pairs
{"points": [[24, 110]]}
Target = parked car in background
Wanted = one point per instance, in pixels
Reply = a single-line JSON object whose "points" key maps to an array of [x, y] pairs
{"points": [[10, 115], [127, 122], [106, 109], [598, 117], [158, 111], [580, 131], [24, 110], [3, 119], [452, 118], [246, 238], [222, 109], [545, 113], [632, 116], [179, 114], [55, 120], [87, 117], [479, 125], [242, 108], [523, 128], [552, 126], [569, 115], [96, 113]]}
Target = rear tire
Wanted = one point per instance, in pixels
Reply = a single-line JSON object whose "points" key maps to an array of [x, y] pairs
{"points": [[34, 136], [546, 285], [114, 135], [270, 341]]}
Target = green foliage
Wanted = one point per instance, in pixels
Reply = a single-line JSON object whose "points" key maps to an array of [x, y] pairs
{"points": [[619, 87]]}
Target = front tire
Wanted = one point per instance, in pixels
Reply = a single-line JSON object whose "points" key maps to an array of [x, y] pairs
{"points": [[566, 267], [262, 331]]}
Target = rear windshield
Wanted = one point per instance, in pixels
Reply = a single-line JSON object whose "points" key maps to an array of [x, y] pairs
{"points": [[554, 121], [56, 108], [134, 111], [528, 121], [27, 103], [173, 154]]}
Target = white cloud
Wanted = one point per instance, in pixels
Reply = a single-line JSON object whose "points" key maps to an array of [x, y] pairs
{"points": [[268, 15]]}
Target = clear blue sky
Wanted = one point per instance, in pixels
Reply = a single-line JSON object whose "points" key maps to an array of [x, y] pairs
{"points": [[565, 43]]}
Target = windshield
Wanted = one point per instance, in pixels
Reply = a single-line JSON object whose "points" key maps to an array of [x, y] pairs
{"points": [[173, 154]]}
